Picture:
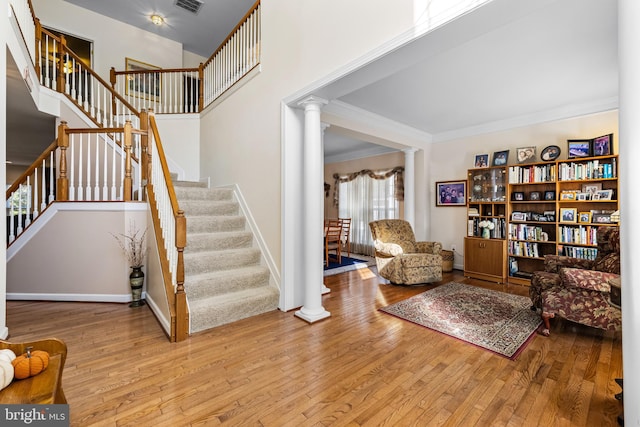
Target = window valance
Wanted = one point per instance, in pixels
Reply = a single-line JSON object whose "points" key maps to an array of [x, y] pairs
{"points": [[398, 171]]}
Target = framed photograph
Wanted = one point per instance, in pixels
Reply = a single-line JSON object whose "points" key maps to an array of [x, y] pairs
{"points": [[482, 161], [568, 214], [603, 195], [591, 188], [526, 154], [568, 195], [579, 148], [549, 195], [550, 153], [451, 193], [534, 195], [602, 145], [517, 196], [601, 218], [500, 158], [583, 196], [584, 217], [143, 85], [518, 216]]}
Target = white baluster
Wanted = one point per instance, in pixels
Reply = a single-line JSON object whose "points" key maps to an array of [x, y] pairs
{"points": [[79, 78], [93, 96], [54, 69], [97, 89], [27, 220], [46, 60], [51, 195], [43, 205], [72, 189], [35, 193], [20, 229], [105, 189], [80, 167], [86, 89], [122, 171], [88, 162], [67, 86], [96, 189], [113, 168], [12, 225]]}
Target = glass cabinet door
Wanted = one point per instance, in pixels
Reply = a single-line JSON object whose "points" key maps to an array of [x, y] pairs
{"points": [[487, 185]]}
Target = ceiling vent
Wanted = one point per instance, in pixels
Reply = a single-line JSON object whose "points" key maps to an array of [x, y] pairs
{"points": [[192, 6]]}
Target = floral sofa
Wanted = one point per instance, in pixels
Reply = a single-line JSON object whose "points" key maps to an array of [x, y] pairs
{"points": [[402, 260], [579, 290]]}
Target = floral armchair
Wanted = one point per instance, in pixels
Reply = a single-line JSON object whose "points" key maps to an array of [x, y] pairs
{"points": [[402, 260], [579, 290]]}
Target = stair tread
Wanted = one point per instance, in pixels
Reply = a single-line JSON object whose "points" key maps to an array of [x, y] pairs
{"points": [[225, 274], [240, 296]]}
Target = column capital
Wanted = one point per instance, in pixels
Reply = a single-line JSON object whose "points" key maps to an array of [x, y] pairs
{"points": [[324, 126], [411, 150], [313, 100]]}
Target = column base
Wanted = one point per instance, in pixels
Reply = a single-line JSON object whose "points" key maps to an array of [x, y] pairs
{"points": [[325, 290], [312, 317]]}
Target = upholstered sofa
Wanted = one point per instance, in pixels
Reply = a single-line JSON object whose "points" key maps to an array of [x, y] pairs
{"points": [[402, 260], [579, 290]]}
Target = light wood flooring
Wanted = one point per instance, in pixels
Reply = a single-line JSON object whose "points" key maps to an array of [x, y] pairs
{"points": [[359, 367]]}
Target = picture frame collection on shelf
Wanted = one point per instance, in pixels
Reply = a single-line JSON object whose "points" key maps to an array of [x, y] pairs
{"points": [[577, 148]]}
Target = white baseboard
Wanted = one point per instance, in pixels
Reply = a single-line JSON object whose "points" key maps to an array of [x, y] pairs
{"points": [[123, 298], [164, 322]]}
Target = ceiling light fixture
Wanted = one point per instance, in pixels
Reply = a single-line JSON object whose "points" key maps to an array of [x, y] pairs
{"points": [[157, 19]]}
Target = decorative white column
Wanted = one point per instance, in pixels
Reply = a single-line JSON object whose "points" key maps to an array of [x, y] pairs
{"points": [[324, 127], [313, 225], [629, 147], [410, 186]]}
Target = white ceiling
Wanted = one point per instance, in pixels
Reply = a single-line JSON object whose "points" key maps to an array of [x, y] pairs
{"points": [[199, 33], [508, 63]]}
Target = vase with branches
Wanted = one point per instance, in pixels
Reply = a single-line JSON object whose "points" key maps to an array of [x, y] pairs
{"points": [[134, 246]]}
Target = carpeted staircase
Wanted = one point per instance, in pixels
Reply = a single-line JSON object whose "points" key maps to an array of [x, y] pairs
{"points": [[225, 280]]}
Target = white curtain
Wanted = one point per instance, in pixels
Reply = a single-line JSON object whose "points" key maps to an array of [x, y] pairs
{"points": [[365, 199]]}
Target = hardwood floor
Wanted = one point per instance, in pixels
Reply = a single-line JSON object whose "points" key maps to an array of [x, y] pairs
{"points": [[358, 367]]}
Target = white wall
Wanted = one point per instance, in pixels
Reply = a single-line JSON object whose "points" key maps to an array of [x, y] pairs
{"points": [[450, 160], [241, 138], [112, 40], [180, 135], [84, 262]]}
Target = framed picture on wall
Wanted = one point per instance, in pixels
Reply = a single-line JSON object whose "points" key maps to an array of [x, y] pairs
{"points": [[451, 193], [142, 85]]}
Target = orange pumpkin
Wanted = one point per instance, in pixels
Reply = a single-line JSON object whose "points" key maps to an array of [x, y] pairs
{"points": [[30, 363]]}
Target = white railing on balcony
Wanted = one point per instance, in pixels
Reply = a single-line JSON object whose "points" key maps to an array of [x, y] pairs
{"points": [[23, 13], [235, 57], [190, 90], [163, 91], [63, 71]]}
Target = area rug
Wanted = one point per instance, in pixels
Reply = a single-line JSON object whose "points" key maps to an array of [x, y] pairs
{"points": [[496, 321], [347, 264]]}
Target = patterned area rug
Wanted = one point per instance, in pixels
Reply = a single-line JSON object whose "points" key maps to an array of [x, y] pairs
{"points": [[496, 321]]}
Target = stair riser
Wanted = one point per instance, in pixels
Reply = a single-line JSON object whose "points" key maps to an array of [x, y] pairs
{"points": [[205, 224], [216, 261], [232, 311], [205, 207], [186, 193], [216, 242], [213, 286]]}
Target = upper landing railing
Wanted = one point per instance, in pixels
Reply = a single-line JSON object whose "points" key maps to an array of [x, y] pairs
{"points": [[191, 90]]}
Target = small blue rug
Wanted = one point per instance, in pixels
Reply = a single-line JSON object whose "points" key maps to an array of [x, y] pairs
{"points": [[347, 264]]}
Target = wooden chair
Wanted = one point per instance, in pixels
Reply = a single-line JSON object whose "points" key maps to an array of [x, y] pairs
{"points": [[346, 234], [332, 239]]}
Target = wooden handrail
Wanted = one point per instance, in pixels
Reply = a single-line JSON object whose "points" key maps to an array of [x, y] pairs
{"points": [[36, 164], [165, 167], [233, 32], [159, 71]]}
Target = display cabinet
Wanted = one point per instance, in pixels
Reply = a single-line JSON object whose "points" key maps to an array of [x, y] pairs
{"points": [[485, 245]]}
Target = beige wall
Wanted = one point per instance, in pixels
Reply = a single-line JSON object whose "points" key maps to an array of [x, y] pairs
{"points": [[385, 161], [450, 161]]}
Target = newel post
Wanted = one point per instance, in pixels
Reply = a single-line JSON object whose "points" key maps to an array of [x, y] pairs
{"points": [[38, 30], [112, 77], [182, 316], [62, 186], [144, 146], [201, 91], [128, 182], [61, 79]]}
